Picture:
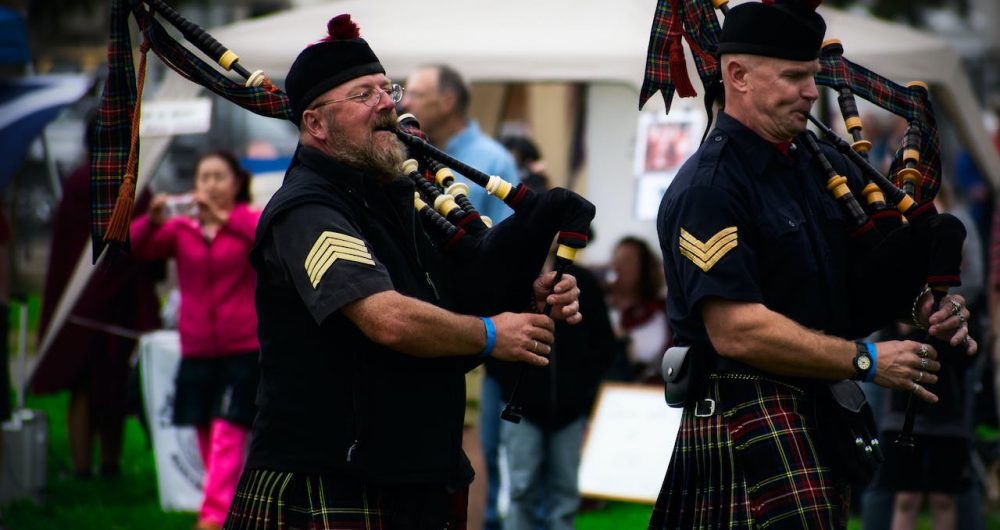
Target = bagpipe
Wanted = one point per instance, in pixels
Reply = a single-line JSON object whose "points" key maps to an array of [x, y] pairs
{"points": [[516, 248], [902, 242], [511, 254]]}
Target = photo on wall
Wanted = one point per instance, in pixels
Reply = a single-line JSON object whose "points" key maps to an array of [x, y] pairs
{"points": [[663, 143]]}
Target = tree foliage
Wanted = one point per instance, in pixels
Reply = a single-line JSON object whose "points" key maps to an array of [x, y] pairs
{"points": [[908, 11]]}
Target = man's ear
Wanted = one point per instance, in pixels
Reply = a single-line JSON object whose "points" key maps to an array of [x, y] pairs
{"points": [[313, 124], [735, 74], [449, 101]]}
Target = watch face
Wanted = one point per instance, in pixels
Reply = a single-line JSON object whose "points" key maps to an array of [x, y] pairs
{"points": [[864, 363]]}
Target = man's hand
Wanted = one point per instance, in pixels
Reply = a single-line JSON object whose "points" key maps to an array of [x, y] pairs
{"points": [[949, 323], [524, 337], [564, 299], [907, 365]]}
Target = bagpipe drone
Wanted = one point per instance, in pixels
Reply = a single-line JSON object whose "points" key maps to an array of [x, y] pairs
{"points": [[905, 243], [501, 261]]}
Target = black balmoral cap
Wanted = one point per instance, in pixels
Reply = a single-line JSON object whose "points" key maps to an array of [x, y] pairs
{"points": [[784, 30], [339, 57]]}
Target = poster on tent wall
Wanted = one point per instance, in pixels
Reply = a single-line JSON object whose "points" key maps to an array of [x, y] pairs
{"points": [[663, 143], [179, 472]]}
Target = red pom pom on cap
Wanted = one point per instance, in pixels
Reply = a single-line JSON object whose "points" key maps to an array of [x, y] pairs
{"points": [[341, 27]]}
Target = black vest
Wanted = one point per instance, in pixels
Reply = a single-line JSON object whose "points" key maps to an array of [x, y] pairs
{"points": [[330, 400]]}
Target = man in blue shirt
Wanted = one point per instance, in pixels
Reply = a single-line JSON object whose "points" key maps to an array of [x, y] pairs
{"points": [[439, 98]]}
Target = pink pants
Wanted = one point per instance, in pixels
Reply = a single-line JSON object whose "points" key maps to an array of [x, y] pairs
{"points": [[222, 445]]}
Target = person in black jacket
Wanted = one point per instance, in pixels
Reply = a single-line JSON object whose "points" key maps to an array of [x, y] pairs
{"points": [[362, 391], [543, 450]]}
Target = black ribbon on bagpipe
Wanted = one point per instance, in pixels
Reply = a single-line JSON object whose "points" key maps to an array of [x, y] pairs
{"points": [[903, 243]]}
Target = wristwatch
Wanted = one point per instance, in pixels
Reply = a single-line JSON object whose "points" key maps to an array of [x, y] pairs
{"points": [[863, 362]]}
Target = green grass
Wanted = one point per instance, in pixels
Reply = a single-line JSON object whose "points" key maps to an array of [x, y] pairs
{"points": [[127, 502], [615, 516], [130, 501]]}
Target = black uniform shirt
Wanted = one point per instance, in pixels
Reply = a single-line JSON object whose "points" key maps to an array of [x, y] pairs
{"points": [[330, 399], [328, 260], [742, 221]]}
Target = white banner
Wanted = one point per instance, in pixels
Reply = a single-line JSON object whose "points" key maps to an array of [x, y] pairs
{"points": [[172, 117], [179, 469]]}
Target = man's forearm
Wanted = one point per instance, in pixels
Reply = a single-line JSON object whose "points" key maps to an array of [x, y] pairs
{"points": [[415, 327], [769, 341]]}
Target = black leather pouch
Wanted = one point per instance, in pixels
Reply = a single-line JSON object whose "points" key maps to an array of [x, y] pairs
{"points": [[683, 371], [847, 427]]}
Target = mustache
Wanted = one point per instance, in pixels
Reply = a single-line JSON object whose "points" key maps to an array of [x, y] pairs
{"points": [[387, 121]]}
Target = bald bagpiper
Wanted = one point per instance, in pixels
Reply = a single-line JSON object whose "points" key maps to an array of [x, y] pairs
{"points": [[757, 255]]}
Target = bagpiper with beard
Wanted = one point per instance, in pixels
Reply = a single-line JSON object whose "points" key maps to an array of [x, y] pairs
{"points": [[362, 396], [756, 257]]}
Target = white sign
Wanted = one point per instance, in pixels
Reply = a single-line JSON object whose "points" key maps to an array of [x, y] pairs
{"points": [[179, 470], [628, 446], [166, 118]]}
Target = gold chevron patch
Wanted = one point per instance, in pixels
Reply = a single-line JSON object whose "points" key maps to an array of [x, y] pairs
{"points": [[706, 254], [331, 246]]}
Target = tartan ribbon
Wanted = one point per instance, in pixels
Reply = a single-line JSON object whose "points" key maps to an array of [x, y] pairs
{"points": [[109, 153], [118, 100], [266, 100], [696, 22], [908, 102]]}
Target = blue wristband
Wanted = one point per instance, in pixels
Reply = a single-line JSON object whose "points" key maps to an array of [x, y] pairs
{"points": [[491, 337], [873, 352]]}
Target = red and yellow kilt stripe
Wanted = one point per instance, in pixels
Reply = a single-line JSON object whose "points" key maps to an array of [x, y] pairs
{"points": [[274, 500], [754, 463]]}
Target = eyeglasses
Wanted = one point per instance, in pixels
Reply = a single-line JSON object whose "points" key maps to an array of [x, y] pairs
{"points": [[370, 96]]}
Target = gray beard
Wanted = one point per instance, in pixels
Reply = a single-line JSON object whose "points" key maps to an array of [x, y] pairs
{"points": [[384, 163]]}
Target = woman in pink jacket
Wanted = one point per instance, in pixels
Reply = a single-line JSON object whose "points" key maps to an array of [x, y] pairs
{"points": [[217, 379]]}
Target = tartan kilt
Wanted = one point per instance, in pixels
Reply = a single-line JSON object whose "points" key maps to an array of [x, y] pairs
{"points": [[754, 463], [280, 500]]}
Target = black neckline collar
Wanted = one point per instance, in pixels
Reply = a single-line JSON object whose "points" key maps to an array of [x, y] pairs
{"points": [[757, 151]]}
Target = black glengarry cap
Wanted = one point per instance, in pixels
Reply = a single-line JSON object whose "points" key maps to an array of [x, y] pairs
{"points": [[790, 30]]}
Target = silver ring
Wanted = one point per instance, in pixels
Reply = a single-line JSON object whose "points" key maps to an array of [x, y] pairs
{"points": [[956, 308], [961, 318], [924, 352], [915, 387], [534, 346], [923, 363], [920, 377]]}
